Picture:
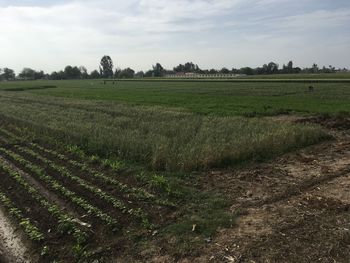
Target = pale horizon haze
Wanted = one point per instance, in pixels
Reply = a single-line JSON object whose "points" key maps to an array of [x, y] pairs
{"points": [[49, 35]]}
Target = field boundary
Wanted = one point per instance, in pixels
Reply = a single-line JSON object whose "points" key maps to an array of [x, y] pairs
{"points": [[233, 80]]}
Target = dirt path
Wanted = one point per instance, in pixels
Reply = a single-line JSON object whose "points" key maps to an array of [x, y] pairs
{"points": [[12, 249], [296, 208]]}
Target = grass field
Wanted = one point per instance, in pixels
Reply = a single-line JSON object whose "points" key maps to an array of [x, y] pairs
{"points": [[213, 98], [160, 138], [107, 168]]}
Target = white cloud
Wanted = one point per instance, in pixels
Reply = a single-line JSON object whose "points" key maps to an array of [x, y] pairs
{"points": [[138, 33]]}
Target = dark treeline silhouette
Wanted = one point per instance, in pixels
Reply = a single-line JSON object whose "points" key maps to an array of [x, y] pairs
{"points": [[106, 70]]}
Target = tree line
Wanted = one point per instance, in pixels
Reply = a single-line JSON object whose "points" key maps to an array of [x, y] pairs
{"points": [[106, 70]]}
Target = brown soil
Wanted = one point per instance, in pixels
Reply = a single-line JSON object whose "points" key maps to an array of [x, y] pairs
{"points": [[332, 122], [294, 209]]}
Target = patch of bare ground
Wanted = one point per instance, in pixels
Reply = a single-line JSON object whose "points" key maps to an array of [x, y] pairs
{"points": [[295, 208], [12, 247]]}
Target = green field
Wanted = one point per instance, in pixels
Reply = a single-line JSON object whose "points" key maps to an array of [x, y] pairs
{"points": [[128, 159], [207, 97]]}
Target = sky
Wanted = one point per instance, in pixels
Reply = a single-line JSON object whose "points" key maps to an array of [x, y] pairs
{"points": [[48, 35]]}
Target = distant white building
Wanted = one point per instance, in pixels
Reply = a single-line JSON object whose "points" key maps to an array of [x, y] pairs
{"points": [[183, 75]]}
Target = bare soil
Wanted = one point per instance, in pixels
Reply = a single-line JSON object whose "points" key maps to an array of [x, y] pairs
{"points": [[11, 243], [294, 209]]}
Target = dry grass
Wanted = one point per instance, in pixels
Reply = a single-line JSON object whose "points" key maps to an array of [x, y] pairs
{"points": [[164, 139]]}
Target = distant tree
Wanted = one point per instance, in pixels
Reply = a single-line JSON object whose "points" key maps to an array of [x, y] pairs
{"points": [[106, 67], [54, 75], [127, 73], [247, 71], [140, 74], [8, 74], [72, 72], [158, 70], [235, 71], [27, 73], [272, 68], [95, 75], [39, 74], [117, 72], [149, 73], [83, 72], [62, 75], [331, 69], [213, 71], [297, 70], [189, 67], [224, 71], [260, 70]]}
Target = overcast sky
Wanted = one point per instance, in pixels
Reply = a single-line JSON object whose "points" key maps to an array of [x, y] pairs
{"points": [[49, 35]]}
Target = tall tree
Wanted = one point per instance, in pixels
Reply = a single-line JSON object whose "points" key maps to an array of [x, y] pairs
{"points": [[8, 74], [83, 72], [72, 72], [272, 68], [106, 67], [158, 70], [27, 73], [315, 68]]}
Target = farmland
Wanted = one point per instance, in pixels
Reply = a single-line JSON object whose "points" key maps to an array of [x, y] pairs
{"points": [[157, 170], [220, 98]]}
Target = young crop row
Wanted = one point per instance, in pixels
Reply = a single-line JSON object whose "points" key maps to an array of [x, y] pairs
{"points": [[138, 192], [153, 180], [95, 190], [29, 228], [55, 185], [66, 224]]}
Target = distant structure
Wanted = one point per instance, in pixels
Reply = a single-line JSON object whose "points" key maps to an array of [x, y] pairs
{"points": [[182, 75]]}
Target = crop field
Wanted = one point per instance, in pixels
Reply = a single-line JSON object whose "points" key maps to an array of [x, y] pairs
{"points": [[169, 171], [220, 98], [78, 200]]}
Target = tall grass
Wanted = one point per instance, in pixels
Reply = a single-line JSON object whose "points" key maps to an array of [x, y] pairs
{"points": [[163, 139]]}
